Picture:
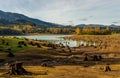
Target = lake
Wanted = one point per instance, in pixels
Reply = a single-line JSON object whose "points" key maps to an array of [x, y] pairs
{"points": [[56, 39]]}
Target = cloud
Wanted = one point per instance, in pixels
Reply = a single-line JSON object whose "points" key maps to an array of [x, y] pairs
{"points": [[61, 11], [116, 22], [84, 19], [87, 18]]}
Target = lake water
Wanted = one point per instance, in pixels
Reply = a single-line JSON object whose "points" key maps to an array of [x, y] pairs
{"points": [[58, 39]]}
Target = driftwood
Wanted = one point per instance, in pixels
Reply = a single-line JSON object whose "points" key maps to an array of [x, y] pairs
{"points": [[17, 69], [93, 58]]}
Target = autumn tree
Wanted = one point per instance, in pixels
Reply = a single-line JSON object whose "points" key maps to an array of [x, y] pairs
{"points": [[107, 30], [27, 28], [16, 28], [87, 30], [78, 31], [97, 30]]}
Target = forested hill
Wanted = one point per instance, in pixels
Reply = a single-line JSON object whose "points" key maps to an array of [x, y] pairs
{"points": [[4, 22], [10, 17]]}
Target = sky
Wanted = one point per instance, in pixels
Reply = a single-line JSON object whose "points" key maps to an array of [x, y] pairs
{"points": [[67, 12]]}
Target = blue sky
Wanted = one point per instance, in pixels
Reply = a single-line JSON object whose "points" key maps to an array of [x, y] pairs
{"points": [[67, 11]]}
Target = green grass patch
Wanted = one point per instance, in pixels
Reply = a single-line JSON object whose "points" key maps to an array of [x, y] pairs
{"points": [[11, 43]]}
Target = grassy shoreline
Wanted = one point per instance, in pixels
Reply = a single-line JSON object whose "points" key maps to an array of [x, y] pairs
{"points": [[108, 43]]}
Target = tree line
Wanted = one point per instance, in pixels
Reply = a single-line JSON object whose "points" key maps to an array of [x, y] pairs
{"points": [[97, 30], [29, 29]]}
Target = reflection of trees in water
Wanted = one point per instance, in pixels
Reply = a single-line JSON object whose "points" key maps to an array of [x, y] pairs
{"points": [[72, 43], [85, 43]]}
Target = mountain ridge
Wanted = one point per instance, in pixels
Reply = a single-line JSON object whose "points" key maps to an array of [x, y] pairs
{"points": [[16, 16], [8, 18]]}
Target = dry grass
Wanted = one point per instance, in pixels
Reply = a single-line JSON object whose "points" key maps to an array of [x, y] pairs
{"points": [[69, 72], [113, 41]]}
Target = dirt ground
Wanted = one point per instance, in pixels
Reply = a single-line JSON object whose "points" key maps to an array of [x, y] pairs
{"points": [[62, 64], [96, 71]]}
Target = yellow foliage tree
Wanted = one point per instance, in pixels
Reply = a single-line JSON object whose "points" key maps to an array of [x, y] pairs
{"points": [[17, 28], [78, 31], [107, 28]]}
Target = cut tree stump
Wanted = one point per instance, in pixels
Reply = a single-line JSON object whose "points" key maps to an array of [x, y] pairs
{"points": [[10, 54], [86, 58], [107, 68], [17, 69]]}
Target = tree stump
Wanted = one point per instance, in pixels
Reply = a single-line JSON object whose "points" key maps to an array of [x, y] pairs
{"points": [[107, 68], [69, 49], [10, 54], [3, 42], [38, 45], [100, 57], [7, 44], [25, 44], [95, 58], [86, 58], [17, 69]]}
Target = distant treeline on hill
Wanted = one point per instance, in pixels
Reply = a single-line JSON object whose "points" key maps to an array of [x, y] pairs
{"points": [[9, 32], [97, 30], [31, 29], [24, 27]]}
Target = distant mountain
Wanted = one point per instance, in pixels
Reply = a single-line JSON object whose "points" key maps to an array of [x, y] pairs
{"points": [[93, 25], [10, 17], [113, 26], [80, 25]]}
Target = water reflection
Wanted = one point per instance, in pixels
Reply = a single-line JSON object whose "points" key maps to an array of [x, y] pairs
{"points": [[58, 39]]}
